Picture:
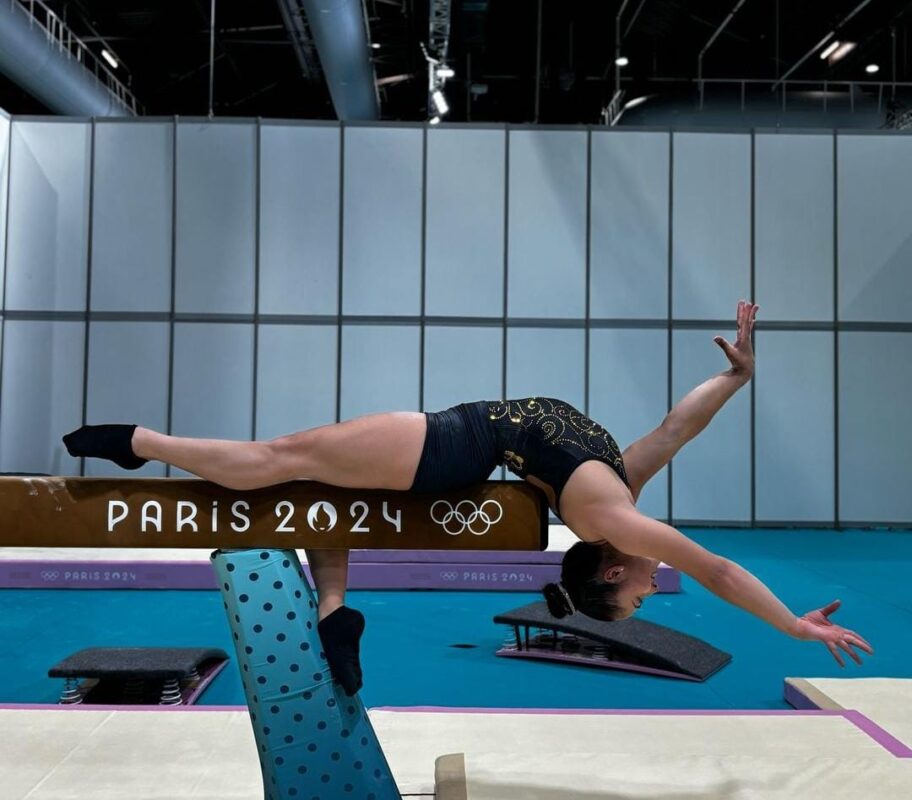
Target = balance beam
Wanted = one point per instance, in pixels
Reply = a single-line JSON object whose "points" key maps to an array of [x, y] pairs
{"points": [[312, 740], [188, 513]]}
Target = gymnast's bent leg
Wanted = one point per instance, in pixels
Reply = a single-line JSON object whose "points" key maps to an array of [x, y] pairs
{"points": [[378, 451]]}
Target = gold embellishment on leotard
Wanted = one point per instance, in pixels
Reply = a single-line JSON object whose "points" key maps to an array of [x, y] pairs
{"points": [[514, 460], [561, 424]]}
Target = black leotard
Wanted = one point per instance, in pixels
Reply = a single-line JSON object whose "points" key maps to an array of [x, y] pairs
{"points": [[553, 439], [538, 436]]}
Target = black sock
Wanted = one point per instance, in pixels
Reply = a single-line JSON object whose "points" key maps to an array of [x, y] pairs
{"points": [[105, 441], [341, 633]]}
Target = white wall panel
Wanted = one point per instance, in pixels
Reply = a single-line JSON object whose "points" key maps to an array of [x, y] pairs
{"points": [[213, 381], [875, 427], [296, 382], [711, 474], [628, 395], [711, 224], [547, 362], [462, 364], [382, 221], [794, 226], [379, 369], [795, 426], [629, 228], [41, 395], [132, 208], [299, 219], [128, 383], [465, 222], [5, 125], [48, 216], [547, 224], [215, 252], [875, 227]]}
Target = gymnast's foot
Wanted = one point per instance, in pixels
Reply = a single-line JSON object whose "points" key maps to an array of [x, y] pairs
{"points": [[340, 633], [112, 442]]}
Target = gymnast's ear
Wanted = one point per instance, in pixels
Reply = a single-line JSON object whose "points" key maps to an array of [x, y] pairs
{"points": [[639, 535], [613, 574]]}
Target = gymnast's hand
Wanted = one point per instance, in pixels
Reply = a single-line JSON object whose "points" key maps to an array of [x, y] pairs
{"points": [[741, 354], [815, 626]]}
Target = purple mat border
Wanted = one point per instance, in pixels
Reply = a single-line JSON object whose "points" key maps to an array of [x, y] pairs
{"points": [[35, 574], [563, 658], [452, 573], [887, 740], [465, 556], [879, 735]]}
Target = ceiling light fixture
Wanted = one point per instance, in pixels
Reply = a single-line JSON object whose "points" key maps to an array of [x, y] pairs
{"points": [[109, 58], [842, 51], [622, 61], [872, 68], [445, 72], [434, 121], [440, 102], [637, 101], [829, 49]]}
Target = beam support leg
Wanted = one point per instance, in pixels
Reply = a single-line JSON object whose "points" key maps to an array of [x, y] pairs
{"points": [[314, 742]]}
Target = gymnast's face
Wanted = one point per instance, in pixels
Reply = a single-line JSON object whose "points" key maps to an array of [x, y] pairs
{"points": [[636, 580]]}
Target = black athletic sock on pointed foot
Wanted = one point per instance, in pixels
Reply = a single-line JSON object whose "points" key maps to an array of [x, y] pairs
{"points": [[112, 442], [341, 633]]}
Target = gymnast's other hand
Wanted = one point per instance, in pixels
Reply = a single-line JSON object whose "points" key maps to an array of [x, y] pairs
{"points": [[741, 354], [816, 626]]}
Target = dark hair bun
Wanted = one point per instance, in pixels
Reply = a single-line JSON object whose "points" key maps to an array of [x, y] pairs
{"points": [[557, 603]]}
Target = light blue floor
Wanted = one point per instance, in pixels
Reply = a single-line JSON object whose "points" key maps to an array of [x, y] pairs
{"points": [[408, 651]]}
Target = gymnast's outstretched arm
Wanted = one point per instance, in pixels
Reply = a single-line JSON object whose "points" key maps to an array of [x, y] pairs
{"points": [[646, 456], [693, 413], [639, 535]]}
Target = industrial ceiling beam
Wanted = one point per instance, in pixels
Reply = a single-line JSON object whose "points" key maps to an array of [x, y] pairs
{"points": [[338, 30], [716, 33]]}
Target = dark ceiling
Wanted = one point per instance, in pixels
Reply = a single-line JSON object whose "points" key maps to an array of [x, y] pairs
{"points": [[494, 49]]}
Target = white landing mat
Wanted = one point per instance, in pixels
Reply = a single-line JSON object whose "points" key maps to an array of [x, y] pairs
{"points": [[885, 701], [662, 755], [209, 754], [82, 754]]}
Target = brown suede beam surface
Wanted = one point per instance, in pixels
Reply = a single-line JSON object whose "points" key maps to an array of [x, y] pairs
{"points": [[177, 512]]}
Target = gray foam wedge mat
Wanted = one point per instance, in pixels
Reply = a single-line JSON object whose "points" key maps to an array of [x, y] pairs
{"points": [[629, 644]]}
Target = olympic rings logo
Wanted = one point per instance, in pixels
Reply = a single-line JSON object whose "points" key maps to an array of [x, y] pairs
{"points": [[466, 516], [449, 576], [49, 576]]}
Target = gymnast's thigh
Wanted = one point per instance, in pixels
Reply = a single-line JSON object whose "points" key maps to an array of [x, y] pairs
{"points": [[376, 451]]}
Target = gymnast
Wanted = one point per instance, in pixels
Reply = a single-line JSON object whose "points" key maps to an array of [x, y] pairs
{"points": [[589, 483]]}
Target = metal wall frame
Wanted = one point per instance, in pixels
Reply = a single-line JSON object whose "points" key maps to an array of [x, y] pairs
{"points": [[504, 322]]}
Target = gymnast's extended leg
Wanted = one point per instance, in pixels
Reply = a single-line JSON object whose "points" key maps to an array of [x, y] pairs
{"points": [[378, 451]]}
